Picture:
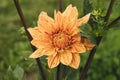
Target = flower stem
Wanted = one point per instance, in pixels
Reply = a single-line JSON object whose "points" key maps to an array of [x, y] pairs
{"points": [[59, 72], [89, 60], [60, 5], [109, 11], [59, 68], [113, 22], [16, 2]]}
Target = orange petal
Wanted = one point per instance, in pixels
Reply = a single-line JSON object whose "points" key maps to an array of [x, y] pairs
{"points": [[35, 33], [45, 22], [90, 46], [37, 53], [67, 10], [83, 20], [37, 43], [70, 19], [50, 51], [71, 12], [41, 43], [76, 38], [74, 31], [73, 15], [77, 47], [58, 19], [75, 61], [87, 43], [66, 57], [53, 61]]}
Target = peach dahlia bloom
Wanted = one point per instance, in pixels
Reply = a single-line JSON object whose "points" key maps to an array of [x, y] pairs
{"points": [[59, 38]]}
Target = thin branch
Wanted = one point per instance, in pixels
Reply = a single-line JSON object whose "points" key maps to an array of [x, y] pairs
{"points": [[113, 22], [16, 2], [89, 60], [109, 11], [22, 18], [60, 5], [59, 72], [59, 68]]}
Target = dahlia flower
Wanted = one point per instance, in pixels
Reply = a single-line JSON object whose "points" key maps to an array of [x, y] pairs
{"points": [[59, 39]]}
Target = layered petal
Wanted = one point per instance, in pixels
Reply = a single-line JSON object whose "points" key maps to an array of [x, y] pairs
{"points": [[66, 57], [45, 23], [58, 19], [53, 61], [70, 13], [70, 19], [50, 51], [75, 61], [73, 29], [79, 48], [42, 41]]}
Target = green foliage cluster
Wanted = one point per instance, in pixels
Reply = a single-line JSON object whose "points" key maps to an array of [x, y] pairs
{"points": [[15, 63]]}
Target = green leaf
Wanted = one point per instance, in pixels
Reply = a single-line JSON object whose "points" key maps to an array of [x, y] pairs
{"points": [[18, 73]]}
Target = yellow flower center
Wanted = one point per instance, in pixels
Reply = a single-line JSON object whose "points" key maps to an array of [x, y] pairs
{"points": [[60, 40]]}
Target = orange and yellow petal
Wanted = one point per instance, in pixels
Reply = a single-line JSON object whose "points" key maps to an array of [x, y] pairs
{"points": [[66, 57], [53, 61], [73, 29], [77, 48], [87, 43], [58, 20], [50, 51], [41, 43], [37, 53], [45, 23], [83, 20], [70, 20], [70, 13], [75, 61], [34, 32]]}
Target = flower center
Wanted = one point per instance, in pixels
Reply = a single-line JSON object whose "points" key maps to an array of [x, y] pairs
{"points": [[60, 40]]}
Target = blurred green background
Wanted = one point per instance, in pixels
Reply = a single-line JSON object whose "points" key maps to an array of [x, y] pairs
{"points": [[15, 48]]}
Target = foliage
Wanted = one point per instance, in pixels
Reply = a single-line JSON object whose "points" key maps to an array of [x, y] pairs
{"points": [[15, 49]]}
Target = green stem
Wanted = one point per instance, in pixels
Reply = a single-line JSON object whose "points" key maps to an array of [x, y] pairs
{"points": [[16, 2]]}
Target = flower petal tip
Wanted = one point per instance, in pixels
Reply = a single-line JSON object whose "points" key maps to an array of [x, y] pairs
{"points": [[34, 56]]}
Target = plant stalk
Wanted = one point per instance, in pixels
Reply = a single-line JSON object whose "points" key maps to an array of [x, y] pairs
{"points": [[109, 11], [60, 5], [113, 22], [89, 60], [59, 72], [16, 2]]}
